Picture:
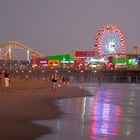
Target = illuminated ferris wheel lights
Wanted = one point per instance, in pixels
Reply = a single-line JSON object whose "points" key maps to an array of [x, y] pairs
{"points": [[110, 40]]}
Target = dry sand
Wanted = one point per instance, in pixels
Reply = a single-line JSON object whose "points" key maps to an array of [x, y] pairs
{"points": [[30, 100]]}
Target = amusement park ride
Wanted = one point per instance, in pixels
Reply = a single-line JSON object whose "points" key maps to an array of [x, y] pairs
{"points": [[109, 41], [9, 55], [7, 51], [109, 45]]}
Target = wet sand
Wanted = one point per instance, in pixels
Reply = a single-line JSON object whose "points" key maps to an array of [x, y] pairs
{"points": [[25, 101]]}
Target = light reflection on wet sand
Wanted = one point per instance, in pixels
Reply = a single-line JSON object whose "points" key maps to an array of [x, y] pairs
{"points": [[112, 113]]}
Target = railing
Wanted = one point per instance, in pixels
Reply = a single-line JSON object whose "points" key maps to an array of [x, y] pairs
{"points": [[82, 76]]}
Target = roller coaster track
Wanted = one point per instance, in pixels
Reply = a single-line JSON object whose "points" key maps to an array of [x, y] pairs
{"points": [[7, 50]]}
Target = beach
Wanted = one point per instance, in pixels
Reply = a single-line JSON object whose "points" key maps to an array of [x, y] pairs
{"points": [[25, 101]]}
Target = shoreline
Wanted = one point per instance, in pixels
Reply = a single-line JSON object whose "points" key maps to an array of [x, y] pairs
{"points": [[26, 101]]}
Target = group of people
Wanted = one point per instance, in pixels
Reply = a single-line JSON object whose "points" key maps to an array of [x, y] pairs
{"points": [[58, 81], [6, 76]]}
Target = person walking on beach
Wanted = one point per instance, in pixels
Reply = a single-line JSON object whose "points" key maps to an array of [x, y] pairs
{"points": [[54, 80], [63, 79], [27, 77], [7, 78]]}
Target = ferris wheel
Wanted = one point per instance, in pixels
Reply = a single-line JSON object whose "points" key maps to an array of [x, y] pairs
{"points": [[110, 41]]}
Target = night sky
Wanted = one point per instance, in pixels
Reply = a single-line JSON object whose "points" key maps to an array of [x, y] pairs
{"points": [[59, 26]]}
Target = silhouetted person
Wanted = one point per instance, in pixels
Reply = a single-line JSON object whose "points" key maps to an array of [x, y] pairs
{"points": [[7, 78], [54, 79]]}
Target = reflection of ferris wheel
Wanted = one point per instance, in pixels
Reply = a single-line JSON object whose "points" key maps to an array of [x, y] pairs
{"points": [[110, 41]]}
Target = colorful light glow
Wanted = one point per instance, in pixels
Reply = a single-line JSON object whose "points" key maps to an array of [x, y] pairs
{"points": [[105, 118], [110, 41]]}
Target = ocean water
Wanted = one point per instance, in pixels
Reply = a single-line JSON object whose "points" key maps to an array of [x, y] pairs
{"points": [[111, 113]]}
